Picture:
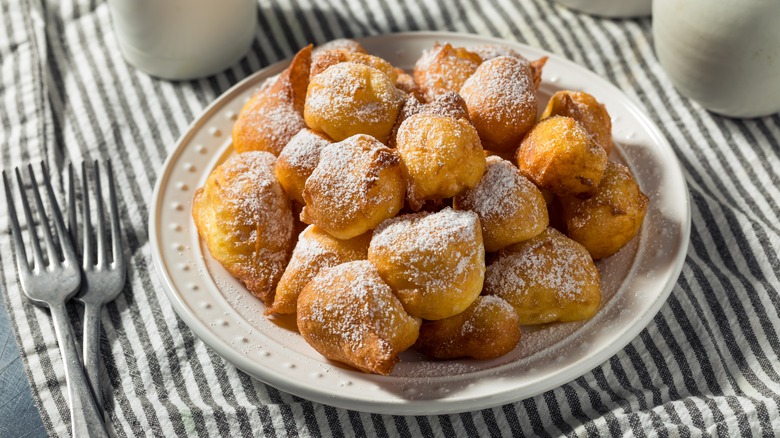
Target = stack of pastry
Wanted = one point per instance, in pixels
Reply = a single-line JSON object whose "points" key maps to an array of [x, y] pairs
{"points": [[434, 209]]}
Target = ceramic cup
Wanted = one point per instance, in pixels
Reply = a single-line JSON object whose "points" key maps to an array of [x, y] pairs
{"points": [[723, 54], [183, 39], [610, 8]]}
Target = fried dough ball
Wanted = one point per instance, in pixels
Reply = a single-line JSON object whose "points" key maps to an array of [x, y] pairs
{"points": [[501, 99], [348, 314], [586, 110], [297, 161], [275, 113], [350, 98], [558, 155], [316, 250], [435, 262], [324, 59], [487, 329], [609, 219], [490, 51], [357, 184], [446, 104], [547, 278], [443, 156], [510, 207], [340, 44], [444, 68], [410, 107], [244, 218]]}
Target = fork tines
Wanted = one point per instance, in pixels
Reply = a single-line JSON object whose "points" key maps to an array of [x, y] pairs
{"points": [[59, 248], [94, 248]]}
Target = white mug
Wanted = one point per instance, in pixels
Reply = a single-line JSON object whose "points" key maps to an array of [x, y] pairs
{"points": [[183, 39], [723, 54]]}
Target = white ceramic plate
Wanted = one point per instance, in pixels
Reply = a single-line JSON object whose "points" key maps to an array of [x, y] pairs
{"points": [[227, 318]]}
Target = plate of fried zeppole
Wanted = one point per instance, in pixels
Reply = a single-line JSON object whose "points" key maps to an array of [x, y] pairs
{"points": [[420, 223]]}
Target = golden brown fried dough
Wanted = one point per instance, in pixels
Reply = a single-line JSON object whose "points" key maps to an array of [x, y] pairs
{"points": [[547, 278], [324, 59], [347, 313], [244, 218], [405, 82], [558, 155], [487, 329], [433, 261], [609, 219], [490, 51], [501, 99], [275, 113], [587, 111], [444, 68], [316, 250], [443, 156], [357, 184], [297, 161], [537, 66], [349, 99], [510, 207], [340, 44], [446, 104]]}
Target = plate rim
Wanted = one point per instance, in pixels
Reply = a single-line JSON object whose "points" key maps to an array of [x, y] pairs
{"points": [[408, 406]]}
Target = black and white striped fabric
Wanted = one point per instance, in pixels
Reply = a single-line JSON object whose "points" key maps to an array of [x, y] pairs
{"points": [[707, 364]]}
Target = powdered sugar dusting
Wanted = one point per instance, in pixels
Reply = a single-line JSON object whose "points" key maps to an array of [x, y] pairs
{"points": [[337, 181], [345, 176], [355, 307], [446, 104], [421, 239], [495, 301], [485, 303], [502, 192], [444, 68], [268, 83], [504, 85], [490, 51], [310, 253], [546, 262], [254, 194], [280, 122], [340, 44], [341, 92], [303, 150], [428, 57], [249, 210]]}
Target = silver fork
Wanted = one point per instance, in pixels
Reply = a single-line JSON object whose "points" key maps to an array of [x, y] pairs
{"points": [[50, 283], [102, 279]]}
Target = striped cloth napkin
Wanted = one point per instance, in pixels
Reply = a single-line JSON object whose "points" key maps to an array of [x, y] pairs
{"points": [[707, 364]]}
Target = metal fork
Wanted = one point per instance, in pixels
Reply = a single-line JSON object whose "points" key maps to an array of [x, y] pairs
{"points": [[50, 283], [102, 279]]}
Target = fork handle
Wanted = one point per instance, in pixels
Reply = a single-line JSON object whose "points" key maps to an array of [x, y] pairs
{"points": [[91, 343], [84, 415]]}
